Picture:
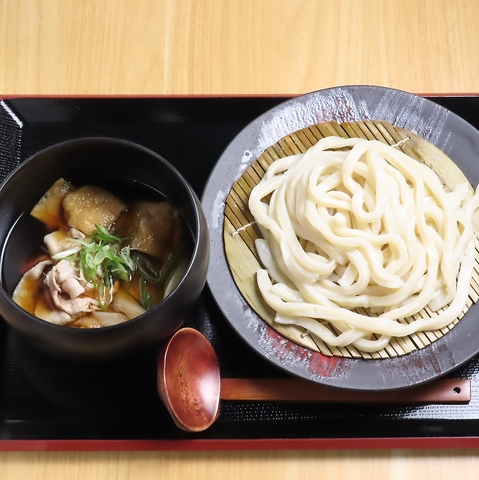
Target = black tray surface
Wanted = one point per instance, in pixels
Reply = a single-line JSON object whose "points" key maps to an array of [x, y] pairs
{"points": [[46, 399]]}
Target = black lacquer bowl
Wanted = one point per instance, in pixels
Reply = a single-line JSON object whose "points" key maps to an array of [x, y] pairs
{"points": [[114, 164]]}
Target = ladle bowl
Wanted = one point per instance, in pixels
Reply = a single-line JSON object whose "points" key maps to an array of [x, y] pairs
{"points": [[189, 380]]}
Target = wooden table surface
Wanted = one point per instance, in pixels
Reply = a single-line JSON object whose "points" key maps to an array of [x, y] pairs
{"points": [[180, 47]]}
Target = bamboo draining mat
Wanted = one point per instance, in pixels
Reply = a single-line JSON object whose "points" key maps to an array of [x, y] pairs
{"points": [[240, 231]]}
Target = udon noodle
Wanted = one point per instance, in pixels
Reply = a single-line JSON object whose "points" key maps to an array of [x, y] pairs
{"points": [[356, 241]]}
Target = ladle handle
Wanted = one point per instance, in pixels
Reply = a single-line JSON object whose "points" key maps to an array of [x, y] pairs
{"points": [[440, 391]]}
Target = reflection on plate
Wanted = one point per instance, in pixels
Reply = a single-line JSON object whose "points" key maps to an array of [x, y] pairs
{"points": [[448, 132]]}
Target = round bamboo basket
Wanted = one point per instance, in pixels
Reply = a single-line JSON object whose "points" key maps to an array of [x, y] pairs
{"points": [[240, 232]]}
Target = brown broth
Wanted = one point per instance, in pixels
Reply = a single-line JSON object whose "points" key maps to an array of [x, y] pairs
{"points": [[29, 233]]}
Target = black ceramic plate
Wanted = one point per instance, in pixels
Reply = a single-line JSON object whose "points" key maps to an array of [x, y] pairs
{"points": [[453, 135]]}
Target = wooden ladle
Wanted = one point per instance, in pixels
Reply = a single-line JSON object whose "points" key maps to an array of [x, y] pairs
{"points": [[190, 386]]}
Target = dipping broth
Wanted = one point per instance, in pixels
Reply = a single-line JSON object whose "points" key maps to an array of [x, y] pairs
{"points": [[96, 254]]}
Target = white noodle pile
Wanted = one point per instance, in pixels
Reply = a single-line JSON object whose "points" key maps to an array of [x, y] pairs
{"points": [[367, 227]]}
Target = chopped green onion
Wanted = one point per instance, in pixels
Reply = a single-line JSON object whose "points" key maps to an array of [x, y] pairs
{"points": [[146, 299], [104, 258], [103, 235], [66, 253], [148, 272]]}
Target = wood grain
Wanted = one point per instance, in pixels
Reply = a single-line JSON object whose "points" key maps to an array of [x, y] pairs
{"points": [[211, 47], [240, 47]]}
